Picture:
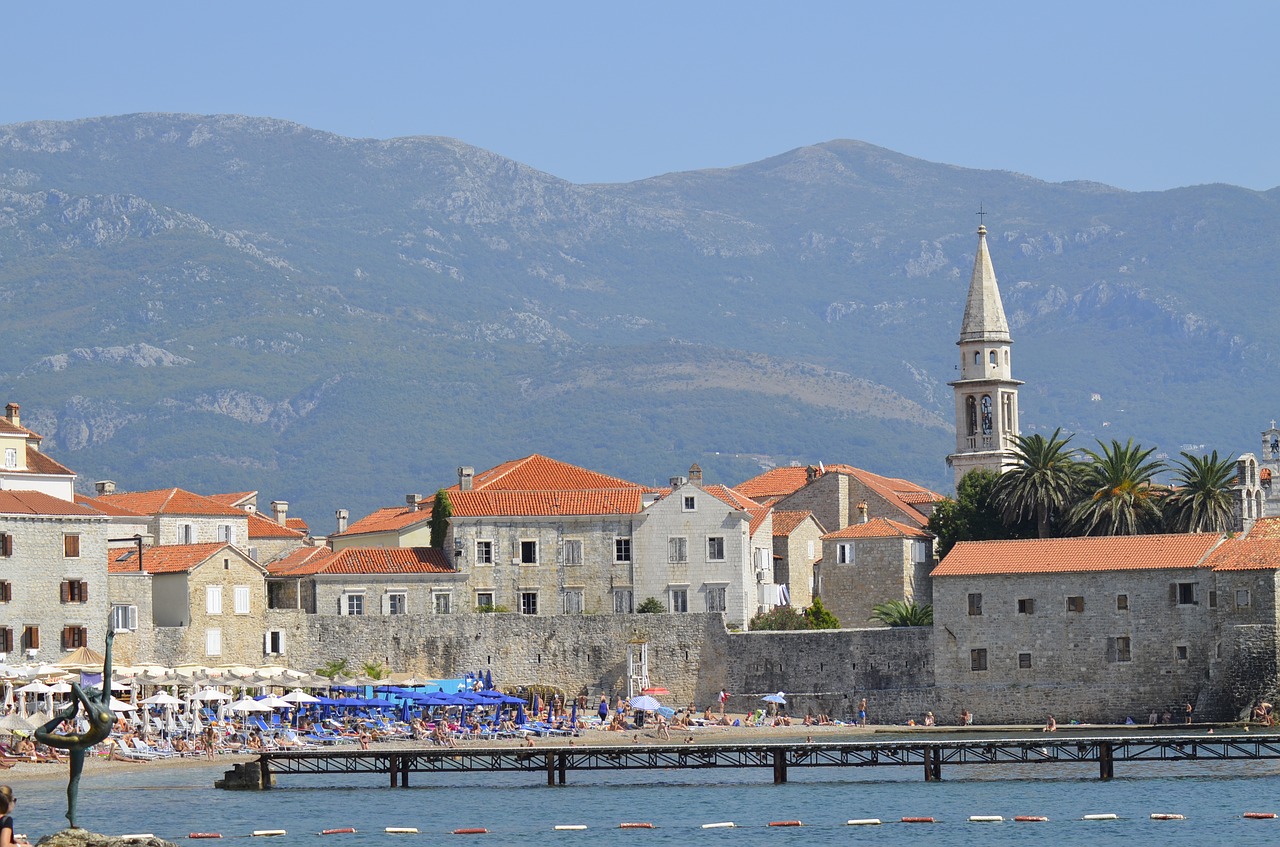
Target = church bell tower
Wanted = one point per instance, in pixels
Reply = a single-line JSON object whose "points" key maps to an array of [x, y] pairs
{"points": [[986, 392]]}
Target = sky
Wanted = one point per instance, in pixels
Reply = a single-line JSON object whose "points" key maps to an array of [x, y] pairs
{"points": [[1136, 94]]}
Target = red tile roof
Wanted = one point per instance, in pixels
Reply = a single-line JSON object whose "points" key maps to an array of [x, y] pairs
{"points": [[540, 473], [171, 501], [387, 560], [878, 528], [111, 509], [299, 524], [7, 427], [301, 562], [40, 463], [16, 502], [261, 527], [777, 483], [1246, 554], [785, 523], [237, 499], [1074, 555], [167, 558], [389, 519], [1265, 528], [503, 503]]}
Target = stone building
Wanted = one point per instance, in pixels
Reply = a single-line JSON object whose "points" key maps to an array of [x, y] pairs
{"points": [[834, 493], [797, 550], [986, 394], [269, 536], [53, 576], [176, 516], [23, 467], [396, 526], [873, 562]]}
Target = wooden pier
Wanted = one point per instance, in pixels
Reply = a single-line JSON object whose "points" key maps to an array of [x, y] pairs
{"points": [[556, 759]]}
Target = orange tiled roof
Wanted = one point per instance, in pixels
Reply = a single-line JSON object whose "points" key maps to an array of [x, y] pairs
{"points": [[388, 519], [166, 558], [236, 499], [110, 509], [1075, 555], [39, 503], [380, 560], [785, 523], [299, 524], [303, 561], [1246, 554], [261, 527], [878, 528], [7, 427], [40, 463], [540, 473], [775, 482], [1265, 528], [171, 501], [905, 494], [502, 503]]}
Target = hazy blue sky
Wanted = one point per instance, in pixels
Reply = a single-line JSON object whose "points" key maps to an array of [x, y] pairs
{"points": [[1143, 95]]}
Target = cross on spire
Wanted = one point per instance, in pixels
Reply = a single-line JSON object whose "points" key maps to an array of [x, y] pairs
{"points": [[981, 216]]}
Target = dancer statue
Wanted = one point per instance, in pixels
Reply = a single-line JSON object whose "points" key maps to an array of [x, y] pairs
{"points": [[97, 709]]}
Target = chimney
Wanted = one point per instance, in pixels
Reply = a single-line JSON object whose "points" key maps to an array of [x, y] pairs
{"points": [[342, 515], [676, 481], [695, 474], [862, 512], [11, 412], [280, 511], [810, 473], [105, 486], [465, 475], [412, 501]]}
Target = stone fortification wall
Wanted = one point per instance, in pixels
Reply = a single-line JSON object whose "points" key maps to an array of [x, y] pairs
{"points": [[1248, 670]]}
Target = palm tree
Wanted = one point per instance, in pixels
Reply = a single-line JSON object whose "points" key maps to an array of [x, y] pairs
{"points": [[902, 613], [1119, 498], [1044, 483], [1201, 500]]}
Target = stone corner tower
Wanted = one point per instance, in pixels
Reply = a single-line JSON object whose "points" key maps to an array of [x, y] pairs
{"points": [[986, 392]]}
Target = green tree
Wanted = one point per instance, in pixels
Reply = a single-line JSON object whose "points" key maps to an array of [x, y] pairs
{"points": [[819, 617], [441, 511], [779, 618], [1201, 500], [332, 668], [1044, 484], [650, 606], [375, 670], [1119, 498], [973, 515], [902, 613]]}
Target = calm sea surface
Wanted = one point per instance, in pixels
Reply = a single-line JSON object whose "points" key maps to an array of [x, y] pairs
{"points": [[521, 809]]}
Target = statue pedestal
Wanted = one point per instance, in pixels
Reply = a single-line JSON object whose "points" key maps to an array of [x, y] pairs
{"points": [[84, 838]]}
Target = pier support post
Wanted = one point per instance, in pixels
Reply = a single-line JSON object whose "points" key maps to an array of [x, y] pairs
{"points": [[393, 768], [932, 764], [264, 771], [551, 769], [562, 765], [1106, 761], [779, 767]]}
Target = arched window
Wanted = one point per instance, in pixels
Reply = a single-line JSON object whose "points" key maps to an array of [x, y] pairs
{"points": [[1006, 413], [986, 414], [993, 358], [977, 357], [1006, 358], [971, 415]]}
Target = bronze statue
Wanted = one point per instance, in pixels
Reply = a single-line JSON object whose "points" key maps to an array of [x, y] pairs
{"points": [[97, 709]]}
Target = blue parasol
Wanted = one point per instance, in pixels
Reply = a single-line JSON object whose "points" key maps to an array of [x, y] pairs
{"points": [[645, 703], [488, 679], [775, 698], [520, 716]]}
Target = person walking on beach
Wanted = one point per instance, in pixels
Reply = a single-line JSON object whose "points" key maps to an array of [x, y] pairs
{"points": [[603, 709], [862, 712], [724, 698]]}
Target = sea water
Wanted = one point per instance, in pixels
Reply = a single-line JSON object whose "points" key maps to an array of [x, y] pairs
{"points": [[519, 808]]}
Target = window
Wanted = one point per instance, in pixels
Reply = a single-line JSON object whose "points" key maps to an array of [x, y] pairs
{"points": [[1024, 661], [71, 546], [978, 659], [31, 638], [572, 601], [240, 599], [1242, 597], [716, 598], [1121, 649], [844, 554], [273, 642], [484, 600], [441, 602], [1181, 652], [1075, 604], [213, 599], [213, 642], [395, 603], [715, 549], [11, 457], [6, 544], [226, 533], [1185, 593], [1027, 606], [975, 604], [919, 552], [992, 357], [6, 592], [1213, 599], [528, 602], [186, 535], [679, 600], [484, 552], [1122, 602], [352, 604], [124, 618], [75, 591], [622, 549], [810, 548], [528, 552], [677, 549], [573, 552], [6, 639], [622, 602], [74, 637], [690, 503]]}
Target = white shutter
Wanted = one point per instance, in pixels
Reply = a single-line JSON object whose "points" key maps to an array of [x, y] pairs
{"points": [[213, 642], [266, 644], [386, 603], [133, 617], [242, 599], [213, 601], [342, 604]]}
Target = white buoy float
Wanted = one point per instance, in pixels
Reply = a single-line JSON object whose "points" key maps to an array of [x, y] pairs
{"points": [[985, 819], [401, 830], [724, 825], [1161, 816], [570, 826], [863, 822], [269, 832], [1106, 817]]}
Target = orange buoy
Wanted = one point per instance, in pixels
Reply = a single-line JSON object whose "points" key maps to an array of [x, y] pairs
{"points": [[1260, 816], [338, 831], [1030, 818], [635, 826], [473, 830], [917, 820], [205, 835], [785, 823]]}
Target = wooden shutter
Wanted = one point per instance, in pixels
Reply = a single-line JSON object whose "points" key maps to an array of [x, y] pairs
{"points": [[65, 590], [6, 640], [84, 592], [71, 546], [6, 544], [68, 637], [6, 594]]}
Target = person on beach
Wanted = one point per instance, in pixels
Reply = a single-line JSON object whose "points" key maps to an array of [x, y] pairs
{"points": [[1050, 725], [862, 712], [1186, 711], [603, 709], [6, 817], [929, 720], [966, 717], [724, 698]]}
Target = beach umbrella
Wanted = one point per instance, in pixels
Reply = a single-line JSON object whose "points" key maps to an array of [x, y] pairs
{"points": [[520, 716], [162, 698], [777, 699], [206, 695], [274, 702], [14, 722], [82, 659], [644, 703], [246, 705], [488, 678], [121, 706], [36, 687], [299, 696]]}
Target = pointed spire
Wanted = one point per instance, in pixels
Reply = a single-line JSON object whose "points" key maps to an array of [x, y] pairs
{"points": [[984, 318]]}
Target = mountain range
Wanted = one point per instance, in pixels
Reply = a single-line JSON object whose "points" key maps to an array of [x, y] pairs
{"points": [[227, 303]]}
